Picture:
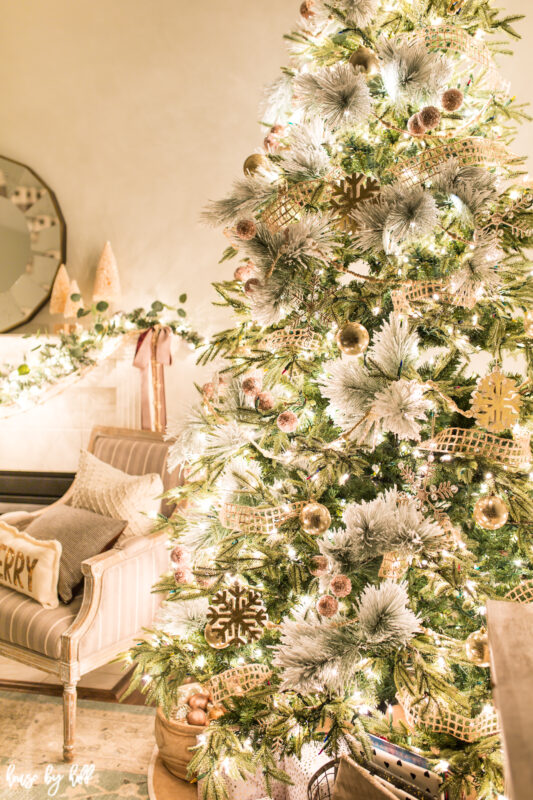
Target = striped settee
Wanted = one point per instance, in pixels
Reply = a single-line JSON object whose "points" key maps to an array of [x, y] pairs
{"points": [[116, 602]]}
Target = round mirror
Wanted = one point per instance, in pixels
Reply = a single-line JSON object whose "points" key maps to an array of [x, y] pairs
{"points": [[32, 243]]}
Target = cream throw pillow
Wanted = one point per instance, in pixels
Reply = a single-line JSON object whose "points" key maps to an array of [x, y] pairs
{"points": [[101, 488], [29, 566]]}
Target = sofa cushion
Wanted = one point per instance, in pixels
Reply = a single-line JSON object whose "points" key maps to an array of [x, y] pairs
{"points": [[82, 534], [26, 623], [104, 489]]}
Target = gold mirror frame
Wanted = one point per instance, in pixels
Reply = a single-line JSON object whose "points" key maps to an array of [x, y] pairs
{"points": [[47, 242]]}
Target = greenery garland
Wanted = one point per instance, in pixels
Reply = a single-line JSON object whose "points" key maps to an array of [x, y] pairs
{"points": [[52, 361]]}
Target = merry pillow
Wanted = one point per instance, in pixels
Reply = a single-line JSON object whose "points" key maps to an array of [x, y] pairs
{"points": [[29, 566]]}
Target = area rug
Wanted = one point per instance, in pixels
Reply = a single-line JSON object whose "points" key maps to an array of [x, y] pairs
{"points": [[113, 747]]}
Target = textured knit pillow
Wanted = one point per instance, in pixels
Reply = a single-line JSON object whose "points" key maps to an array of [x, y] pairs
{"points": [[82, 534], [29, 566], [106, 490]]}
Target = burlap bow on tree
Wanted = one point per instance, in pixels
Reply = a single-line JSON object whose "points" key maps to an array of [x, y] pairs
{"points": [[152, 354]]}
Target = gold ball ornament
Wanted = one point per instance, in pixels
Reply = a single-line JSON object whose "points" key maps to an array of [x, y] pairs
{"points": [[197, 717], [490, 512], [528, 323], [213, 638], [477, 648], [254, 162], [365, 60], [198, 701], [315, 518], [352, 339]]}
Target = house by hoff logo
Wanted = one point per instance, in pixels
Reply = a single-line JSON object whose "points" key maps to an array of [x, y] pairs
{"points": [[78, 775]]}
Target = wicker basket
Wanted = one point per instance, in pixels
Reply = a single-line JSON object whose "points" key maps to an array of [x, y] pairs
{"points": [[174, 739]]}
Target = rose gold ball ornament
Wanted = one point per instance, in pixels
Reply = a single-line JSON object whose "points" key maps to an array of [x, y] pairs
{"points": [[287, 421], [254, 162], [216, 712], [306, 9], [414, 126], [429, 117], [245, 229], [265, 401], [340, 586], [213, 638], [272, 141], [180, 555], [251, 386], [319, 566], [197, 717], [315, 518], [183, 574], [528, 323], [244, 272], [208, 390], [477, 648], [327, 606], [198, 701], [365, 60], [490, 512], [251, 285], [452, 99], [352, 339]]}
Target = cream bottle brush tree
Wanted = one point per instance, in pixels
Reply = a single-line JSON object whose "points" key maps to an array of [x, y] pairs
{"points": [[316, 481]]}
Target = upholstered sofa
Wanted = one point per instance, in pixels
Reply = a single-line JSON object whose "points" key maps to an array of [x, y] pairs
{"points": [[116, 602]]}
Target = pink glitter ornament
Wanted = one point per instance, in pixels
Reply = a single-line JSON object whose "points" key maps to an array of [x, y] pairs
{"points": [[327, 606], [264, 401], [251, 285], [183, 574], [287, 421], [180, 555], [208, 390], [251, 386], [245, 229], [340, 586], [429, 117], [415, 127], [319, 566], [244, 272]]}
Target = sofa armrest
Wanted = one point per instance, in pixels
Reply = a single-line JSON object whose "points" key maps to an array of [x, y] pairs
{"points": [[117, 600]]}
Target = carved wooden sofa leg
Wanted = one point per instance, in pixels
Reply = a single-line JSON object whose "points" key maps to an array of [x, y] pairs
{"points": [[69, 720]]}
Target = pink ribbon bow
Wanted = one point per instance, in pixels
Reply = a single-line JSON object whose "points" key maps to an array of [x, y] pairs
{"points": [[152, 354]]}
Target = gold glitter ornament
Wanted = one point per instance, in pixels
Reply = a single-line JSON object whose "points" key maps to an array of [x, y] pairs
{"points": [[364, 59], [477, 648], [352, 339], [496, 402], [315, 518], [490, 512]]}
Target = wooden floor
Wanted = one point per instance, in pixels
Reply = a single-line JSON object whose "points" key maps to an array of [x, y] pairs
{"points": [[106, 684]]}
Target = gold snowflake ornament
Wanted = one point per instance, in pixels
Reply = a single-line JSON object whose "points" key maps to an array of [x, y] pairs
{"points": [[496, 402], [237, 615], [348, 194]]}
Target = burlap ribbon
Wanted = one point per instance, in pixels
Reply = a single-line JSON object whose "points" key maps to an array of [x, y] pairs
{"points": [[152, 354]]}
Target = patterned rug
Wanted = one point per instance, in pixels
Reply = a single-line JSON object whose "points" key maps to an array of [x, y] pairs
{"points": [[113, 748]]}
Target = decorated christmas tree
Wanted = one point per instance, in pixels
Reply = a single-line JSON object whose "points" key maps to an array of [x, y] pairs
{"points": [[358, 465]]}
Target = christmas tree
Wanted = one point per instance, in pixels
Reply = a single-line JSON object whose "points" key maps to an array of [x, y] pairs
{"points": [[358, 465]]}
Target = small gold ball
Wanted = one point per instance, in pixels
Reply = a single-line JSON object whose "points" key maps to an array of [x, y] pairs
{"points": [[213, 638], [197, 717], [216, 712], [365, 59], [198, 701], [353, 339], [490, 512], [477, 648], [254, 162], [315, 518]]}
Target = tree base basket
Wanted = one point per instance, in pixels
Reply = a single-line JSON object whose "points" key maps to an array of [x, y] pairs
{"points": [[174, 740]]}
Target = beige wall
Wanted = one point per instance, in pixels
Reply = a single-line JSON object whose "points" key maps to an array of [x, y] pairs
{"points": [[136, 113]]}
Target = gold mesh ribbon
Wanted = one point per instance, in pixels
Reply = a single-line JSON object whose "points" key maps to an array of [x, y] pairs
{"points": [[440, 720], [238, 680], [473, 151], [291, 339], [523, 593], [426, 291], [290, 203], [394, 566], [515, 453], [249, 519], [474, 53]]}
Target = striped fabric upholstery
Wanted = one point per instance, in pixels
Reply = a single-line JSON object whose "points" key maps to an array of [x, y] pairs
{"points": [[138, 457], [25, 622], [127, 603]]}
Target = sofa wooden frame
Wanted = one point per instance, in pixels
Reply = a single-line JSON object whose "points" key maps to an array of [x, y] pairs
{"points": [[70, 667]]}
